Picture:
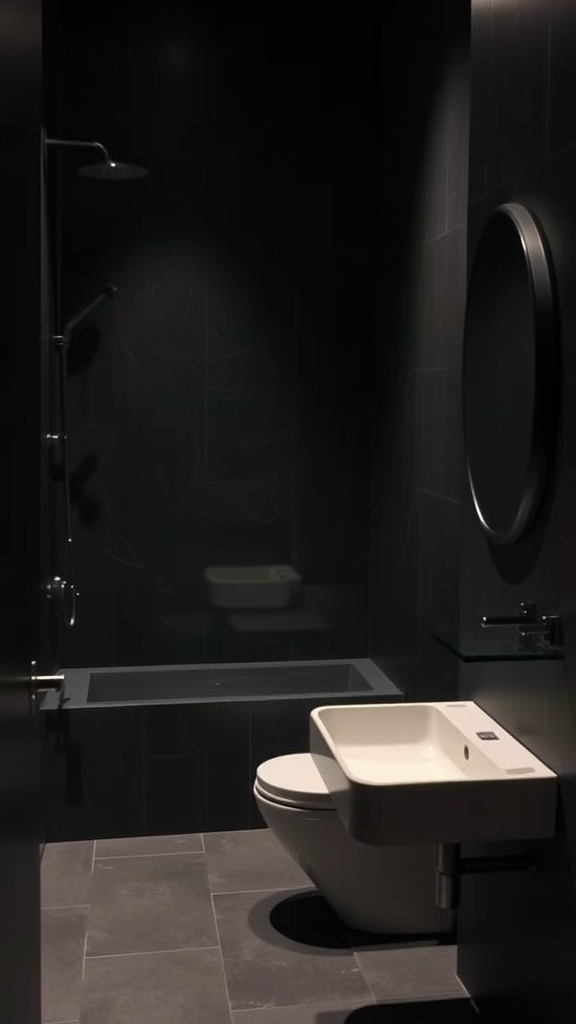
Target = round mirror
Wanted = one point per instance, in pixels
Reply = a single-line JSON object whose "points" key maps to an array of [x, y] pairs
{"points": [[510, 373]]}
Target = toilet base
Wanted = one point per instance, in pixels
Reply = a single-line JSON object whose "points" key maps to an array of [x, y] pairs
{"points": [[381, 889], [398, 900]]}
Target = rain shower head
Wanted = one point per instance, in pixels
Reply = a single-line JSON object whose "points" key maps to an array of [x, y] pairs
{"points": [[105, 169], [112, 170]]}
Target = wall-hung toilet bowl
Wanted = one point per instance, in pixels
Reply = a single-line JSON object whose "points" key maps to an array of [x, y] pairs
{"points": [[373, 888]]}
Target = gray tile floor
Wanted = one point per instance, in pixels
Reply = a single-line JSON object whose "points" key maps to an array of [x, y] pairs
{"points": [[221, 928]]}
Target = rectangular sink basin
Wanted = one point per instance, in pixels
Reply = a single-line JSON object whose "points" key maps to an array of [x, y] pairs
{"points": [[441, 772]]}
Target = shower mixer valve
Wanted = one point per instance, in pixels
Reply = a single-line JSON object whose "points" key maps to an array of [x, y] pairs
{"points": [[59, 587]]}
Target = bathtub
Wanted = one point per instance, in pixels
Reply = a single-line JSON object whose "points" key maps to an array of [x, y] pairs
{"points": [[144, 750]]}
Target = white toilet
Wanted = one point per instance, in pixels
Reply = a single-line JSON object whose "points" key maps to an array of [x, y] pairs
{"points": [[373, 888]]}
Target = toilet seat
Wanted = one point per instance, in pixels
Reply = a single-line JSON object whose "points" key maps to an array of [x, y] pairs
{"points": [[293, 780]]}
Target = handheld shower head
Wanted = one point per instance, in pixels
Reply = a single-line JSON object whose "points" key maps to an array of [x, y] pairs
{"points": [[105, 293]]}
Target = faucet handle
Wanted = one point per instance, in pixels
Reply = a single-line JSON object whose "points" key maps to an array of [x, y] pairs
{"points": [[527, 611]]}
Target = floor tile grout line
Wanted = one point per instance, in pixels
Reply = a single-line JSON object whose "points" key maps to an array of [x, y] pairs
{"points": [[221, 958], [371, 992], [67, 906], [87, 918], [233, 832], [166, 853], [84, 954], [441, 993], [150, 952], [349, 1004], [275, 888]]}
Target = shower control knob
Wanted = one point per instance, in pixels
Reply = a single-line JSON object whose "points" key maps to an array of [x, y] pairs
{"points": [[56, 586], [59, 586]]}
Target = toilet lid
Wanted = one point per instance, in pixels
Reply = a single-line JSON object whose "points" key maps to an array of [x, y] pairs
{"points": [[295, 780]]}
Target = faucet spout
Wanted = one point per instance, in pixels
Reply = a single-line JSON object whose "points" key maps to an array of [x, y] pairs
{"points": [[526, 613]]}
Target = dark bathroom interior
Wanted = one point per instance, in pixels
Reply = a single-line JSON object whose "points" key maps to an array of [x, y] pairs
{"points": [[277, 381]]}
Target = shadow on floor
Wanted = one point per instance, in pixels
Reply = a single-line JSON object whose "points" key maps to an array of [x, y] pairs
{"points": [[308, 919], [440, 1011]]}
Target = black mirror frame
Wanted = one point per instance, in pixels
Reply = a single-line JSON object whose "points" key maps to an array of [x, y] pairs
{"points": [[546, 377]]}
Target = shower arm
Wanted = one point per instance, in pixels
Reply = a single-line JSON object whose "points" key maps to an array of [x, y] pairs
{"points": [[80, 144]]}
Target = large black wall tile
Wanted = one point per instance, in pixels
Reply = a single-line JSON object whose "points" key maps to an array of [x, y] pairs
{"points": [[226, 764], [197, 767], [512, 128], [172, 795], [432, 447], [561, 110], [438, 671], [480, 57], [444, 290], [94, 772], [439, 560]]}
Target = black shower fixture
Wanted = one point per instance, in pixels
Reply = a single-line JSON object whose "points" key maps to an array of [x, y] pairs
{"points": [[105, 169], [108, 292]]}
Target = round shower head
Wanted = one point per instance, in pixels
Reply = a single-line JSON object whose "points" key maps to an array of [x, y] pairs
{"points": [[106, 169], [112, 170]]}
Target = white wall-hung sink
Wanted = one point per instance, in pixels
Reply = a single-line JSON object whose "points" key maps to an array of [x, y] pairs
{"points": [[442, 772]]}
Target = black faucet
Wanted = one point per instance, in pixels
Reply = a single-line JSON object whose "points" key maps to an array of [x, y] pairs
{"points": [[526, 613], [535, 632]]}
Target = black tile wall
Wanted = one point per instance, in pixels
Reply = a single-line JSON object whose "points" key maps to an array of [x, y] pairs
{"points": [[443, 299], [438, 670], [172, 787], [219, 406], [457, 106], [522, 148], [432, 440], [93, 764], [226, 765], [439, 559], [516, 136], [417, 421], [560, 110], [479, 113]]}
